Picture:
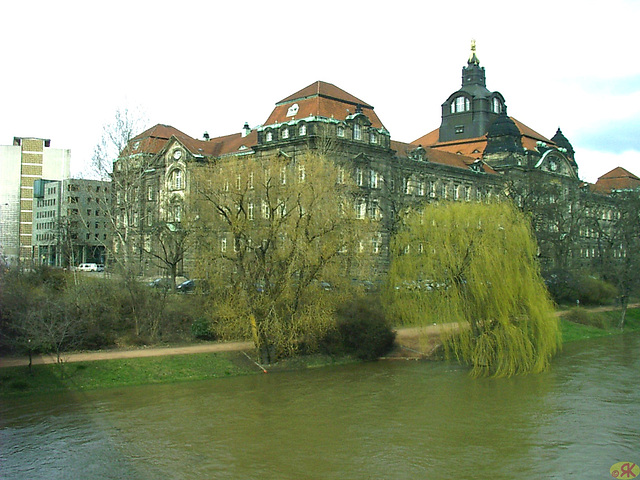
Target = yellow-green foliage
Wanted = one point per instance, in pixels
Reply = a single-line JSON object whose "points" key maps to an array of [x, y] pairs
{"points": [[278, 241], [474, 264]]}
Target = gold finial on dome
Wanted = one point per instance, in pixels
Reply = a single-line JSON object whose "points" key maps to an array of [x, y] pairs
{"points": [[473, 58]]}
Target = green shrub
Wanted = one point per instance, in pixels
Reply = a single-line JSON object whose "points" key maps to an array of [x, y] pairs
{"points": [[363, 330], [584, 317], [203, 330], [568, 287]]}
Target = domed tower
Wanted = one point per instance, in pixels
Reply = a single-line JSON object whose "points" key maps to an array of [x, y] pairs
{"points": [[468, 112], [561, 141]]}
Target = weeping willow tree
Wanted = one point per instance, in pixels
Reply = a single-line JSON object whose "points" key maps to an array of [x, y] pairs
{"points": [[474, 265]]}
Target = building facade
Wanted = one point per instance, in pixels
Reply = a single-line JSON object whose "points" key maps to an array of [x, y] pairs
{"points": [[477, 153], [21, 164], [71, 224]]}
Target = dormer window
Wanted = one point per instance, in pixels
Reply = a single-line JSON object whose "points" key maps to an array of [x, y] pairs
{"points": [[302, 130], [340, 131], [460, 104], [285, 133], [357, 132], [373, 138], [269, 136], [293, 110], [497, 105]]}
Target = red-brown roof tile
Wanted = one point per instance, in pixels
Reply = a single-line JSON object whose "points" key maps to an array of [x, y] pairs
{"points": [[468, 146], [324, 89], [617, 179], [322, 99], [438, 156]]}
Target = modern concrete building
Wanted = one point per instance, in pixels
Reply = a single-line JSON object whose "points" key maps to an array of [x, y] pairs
{"points": [[21, 164], [70, 222]]}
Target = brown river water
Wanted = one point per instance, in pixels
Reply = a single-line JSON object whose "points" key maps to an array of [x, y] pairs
{"points": [[383, 420]]}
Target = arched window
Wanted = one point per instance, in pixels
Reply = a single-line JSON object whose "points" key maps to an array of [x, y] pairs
{"points": [[285, 133], [177, 182], [302, 130], [269, 136]]}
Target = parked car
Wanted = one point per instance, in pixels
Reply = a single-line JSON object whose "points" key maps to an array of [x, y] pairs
{"points": [[89, 267], [161, 283], [192, 285]]}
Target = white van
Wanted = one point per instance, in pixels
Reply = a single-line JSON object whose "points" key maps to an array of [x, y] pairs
{"points": [[88, 267]]}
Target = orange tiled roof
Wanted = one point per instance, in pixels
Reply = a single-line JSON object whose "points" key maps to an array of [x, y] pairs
{"points": [[468, 146], [321, 99], [153, 139], [438, 156], [324, 89], [617, 179]]}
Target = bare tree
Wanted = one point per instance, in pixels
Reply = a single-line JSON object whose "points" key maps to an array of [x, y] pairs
{"points": [[278, 239], [169, 243], [619, 245]]}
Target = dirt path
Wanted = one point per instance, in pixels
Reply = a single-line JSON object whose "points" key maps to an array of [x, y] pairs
{"points": [[137, 353], [411, 343]]}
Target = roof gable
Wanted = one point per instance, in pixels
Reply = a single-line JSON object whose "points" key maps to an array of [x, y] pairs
{"points": [[326, 90], [617, 179], [321, 99]]}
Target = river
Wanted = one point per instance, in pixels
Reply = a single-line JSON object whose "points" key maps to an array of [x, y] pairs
{"points": [[383, 420]]}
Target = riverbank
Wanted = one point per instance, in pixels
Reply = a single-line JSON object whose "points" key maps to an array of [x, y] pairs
{"points": [[95, 370]]}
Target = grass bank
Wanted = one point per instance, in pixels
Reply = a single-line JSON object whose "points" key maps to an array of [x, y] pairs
{"points": [[580, 323], [93, 375]]}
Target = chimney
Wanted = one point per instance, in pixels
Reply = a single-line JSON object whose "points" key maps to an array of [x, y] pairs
{"points": [[246, 130], [205, 135]]}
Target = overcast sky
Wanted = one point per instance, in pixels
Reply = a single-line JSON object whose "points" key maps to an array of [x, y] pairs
{"points": [[210, 66]]}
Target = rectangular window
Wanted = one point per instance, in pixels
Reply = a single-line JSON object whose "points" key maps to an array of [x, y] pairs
{"points": [[357, 132], [375, 245], [340, 131], [150, 193], [283, 176], [250, 211], [223, 245], [374, 210], [361, 208], [340, 175], [406, 186], [374, 180], [359, 177]]}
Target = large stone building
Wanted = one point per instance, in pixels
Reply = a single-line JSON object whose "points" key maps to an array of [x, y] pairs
{"points": [[478, 152], [70, 221], [21, 164]]}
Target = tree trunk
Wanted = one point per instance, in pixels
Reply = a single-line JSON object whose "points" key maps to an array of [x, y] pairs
{"points": [[624, 302]]}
